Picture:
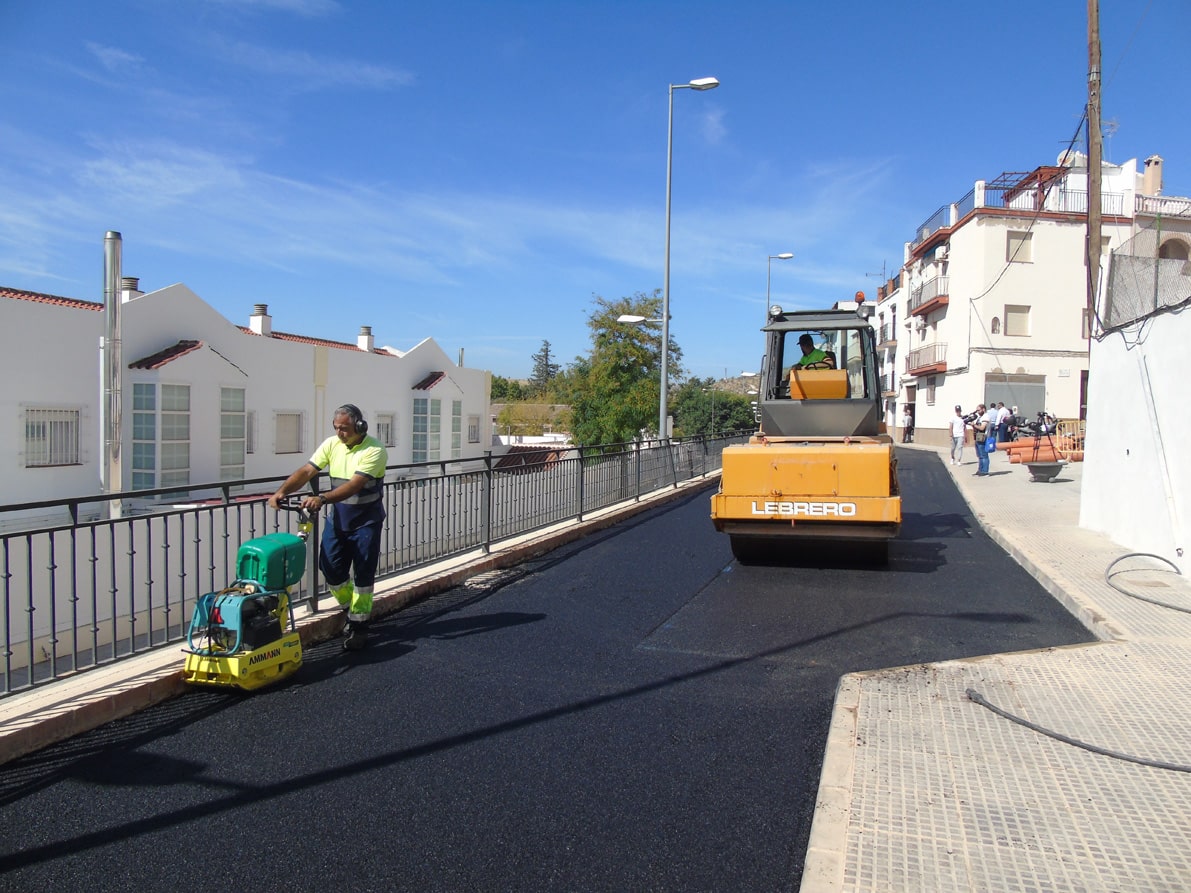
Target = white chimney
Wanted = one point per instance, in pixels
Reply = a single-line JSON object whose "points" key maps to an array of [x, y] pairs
{"points": [[130, 287], [364, 339], [260, 322], [1151, 181]]}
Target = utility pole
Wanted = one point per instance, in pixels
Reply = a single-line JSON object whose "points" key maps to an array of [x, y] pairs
{"points": [[1094, 161]]}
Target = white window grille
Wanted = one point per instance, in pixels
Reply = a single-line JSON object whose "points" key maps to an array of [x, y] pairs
{"points": [[51, 437], [386, 428]]}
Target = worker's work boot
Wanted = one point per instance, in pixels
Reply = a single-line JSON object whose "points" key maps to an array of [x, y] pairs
{"points": [[355, 635]]}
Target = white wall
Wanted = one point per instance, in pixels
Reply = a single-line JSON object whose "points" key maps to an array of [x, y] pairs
{"points": [[52, 353], [1136, 475]]}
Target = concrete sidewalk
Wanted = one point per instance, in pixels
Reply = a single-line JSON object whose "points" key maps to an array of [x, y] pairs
{"points": [[926, 787]]}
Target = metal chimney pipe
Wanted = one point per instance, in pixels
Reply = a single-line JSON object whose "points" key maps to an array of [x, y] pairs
{"points": [[110, 422]]}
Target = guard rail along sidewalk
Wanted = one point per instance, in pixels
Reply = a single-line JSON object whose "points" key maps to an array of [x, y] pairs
{"points": [[89, 581]]}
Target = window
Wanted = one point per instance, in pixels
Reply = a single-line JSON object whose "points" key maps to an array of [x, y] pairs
{"points": [[250, 431], [456, 429], [427, 430], [160, 435], [233, 434], [473, 429], [51, 437], [1017, 319], [287, 432], [931, 384], [144, 436], [386, 428], [1017, 247], [175, 434]]}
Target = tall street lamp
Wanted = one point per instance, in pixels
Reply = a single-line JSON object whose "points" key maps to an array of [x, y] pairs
{"points": [[697, 84], [785, 255]]}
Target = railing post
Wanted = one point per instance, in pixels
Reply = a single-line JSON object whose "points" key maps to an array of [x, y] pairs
{"points": [[639, 447], [486, 505], [579, 486], [669, 446], [313, 542]]}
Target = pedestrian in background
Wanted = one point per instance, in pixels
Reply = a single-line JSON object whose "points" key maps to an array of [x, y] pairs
{"points": [[958, 430], [908, 425], [1003, 416]]}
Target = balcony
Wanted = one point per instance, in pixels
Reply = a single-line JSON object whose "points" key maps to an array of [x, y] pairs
{"points": [[887, 338], [927, 360], [1167, 206], [929, 296]]}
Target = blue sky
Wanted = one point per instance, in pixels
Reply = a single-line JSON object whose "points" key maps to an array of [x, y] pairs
{"points": [[476, 171]]}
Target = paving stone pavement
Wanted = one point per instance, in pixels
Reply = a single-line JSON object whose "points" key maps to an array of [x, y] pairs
{"points": [[931, 782]]}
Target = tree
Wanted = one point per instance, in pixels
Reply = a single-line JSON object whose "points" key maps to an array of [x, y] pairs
{"points": [[613, 391], [506, 390], [544, 369], [702, 407]]}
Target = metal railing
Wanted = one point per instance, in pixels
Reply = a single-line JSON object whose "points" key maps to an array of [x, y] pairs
{"points": [[928, 355], [939, 287], [88, 581]]}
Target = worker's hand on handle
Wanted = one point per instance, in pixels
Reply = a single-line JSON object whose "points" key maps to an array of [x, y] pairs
{"points": [[275, 500], [313, 503]]}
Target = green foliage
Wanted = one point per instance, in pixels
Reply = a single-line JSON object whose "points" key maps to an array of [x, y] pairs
{"points": [[506, 390], [698, 404], [613, 391]]}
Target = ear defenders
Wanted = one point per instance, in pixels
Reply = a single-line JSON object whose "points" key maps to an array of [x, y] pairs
{"points": [[353, 412]]}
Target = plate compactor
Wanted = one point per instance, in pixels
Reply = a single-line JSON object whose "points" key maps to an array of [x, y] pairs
{"points": [[244, 636]]}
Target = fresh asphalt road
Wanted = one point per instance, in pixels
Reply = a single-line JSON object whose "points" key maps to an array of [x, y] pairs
{"points": [[632, 712]]}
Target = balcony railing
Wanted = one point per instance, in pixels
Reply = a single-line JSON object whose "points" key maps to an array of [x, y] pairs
{"points": [[927, 359], [1056, 199], [87, 589], [1008, 192], [930, 295], [1158, 204], [888, 336]]}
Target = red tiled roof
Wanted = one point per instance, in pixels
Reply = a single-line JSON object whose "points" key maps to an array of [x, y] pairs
{"points": [[429, 381], [320, 342], [159, 359], [525, 459], [39, 298], [21, 295]]}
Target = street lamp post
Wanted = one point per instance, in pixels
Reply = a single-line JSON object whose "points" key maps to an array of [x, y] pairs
{"points": [[785, 255], [697, 84]]}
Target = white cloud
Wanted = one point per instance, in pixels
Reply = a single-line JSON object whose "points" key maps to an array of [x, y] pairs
{"points": [[115, 59], [307, 71]]}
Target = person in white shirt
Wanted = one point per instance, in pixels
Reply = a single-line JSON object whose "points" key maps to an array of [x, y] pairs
{"points": [[957, 437], [1002, 429]]}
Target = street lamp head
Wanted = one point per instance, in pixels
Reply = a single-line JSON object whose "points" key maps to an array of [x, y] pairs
{"points": [[785, 255], [635, 320], [704, 84]]}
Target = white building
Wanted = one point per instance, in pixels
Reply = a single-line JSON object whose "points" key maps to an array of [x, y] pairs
{"points": [[204, 400], [990, 304], [1136, 479]]}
